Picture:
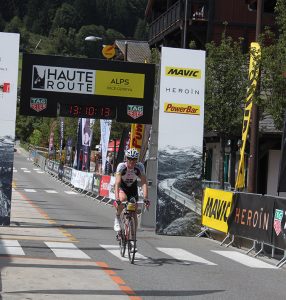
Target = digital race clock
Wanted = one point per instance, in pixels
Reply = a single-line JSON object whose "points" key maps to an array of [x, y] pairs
{"points": [[87, 111]]}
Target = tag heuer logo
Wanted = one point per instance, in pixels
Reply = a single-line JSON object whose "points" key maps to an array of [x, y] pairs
{"points": [[135, 111], [38, 104]]}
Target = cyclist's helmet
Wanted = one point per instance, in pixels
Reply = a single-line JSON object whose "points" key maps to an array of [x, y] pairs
{"points": [[132, 153]]}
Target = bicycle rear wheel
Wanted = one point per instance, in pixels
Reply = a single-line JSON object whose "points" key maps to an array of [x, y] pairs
{"points": [[131, 240], [122, 243]]}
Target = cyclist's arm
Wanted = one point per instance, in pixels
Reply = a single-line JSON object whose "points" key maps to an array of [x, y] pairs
{"points": [[144, 186], [117, 185]]}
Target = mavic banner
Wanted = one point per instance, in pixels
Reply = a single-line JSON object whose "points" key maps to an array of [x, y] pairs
{"points": [[9, 57], [216, 208], [252, 217], [279, 223], [180, 140], [255, 54]]}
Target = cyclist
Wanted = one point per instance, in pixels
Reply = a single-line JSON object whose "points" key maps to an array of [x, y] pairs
{"points": [[126, 183]]}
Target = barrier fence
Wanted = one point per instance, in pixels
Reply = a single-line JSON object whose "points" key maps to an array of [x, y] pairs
{"points": [[260, 218], [88, 183]]}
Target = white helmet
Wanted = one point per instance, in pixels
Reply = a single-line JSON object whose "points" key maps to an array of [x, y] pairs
{"points": [[132, 153]]}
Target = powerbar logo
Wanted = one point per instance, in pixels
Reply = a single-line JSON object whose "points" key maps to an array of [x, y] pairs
{"points": [[186, 109], [183, 72]]}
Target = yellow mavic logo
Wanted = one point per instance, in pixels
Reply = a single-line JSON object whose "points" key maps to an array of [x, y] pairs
{"points": [[183, 72]]}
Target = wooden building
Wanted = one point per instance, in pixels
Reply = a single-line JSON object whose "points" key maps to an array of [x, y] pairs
{"points": [[175, 23]]}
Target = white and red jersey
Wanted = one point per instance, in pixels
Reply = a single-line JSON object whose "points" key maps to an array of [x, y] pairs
{"points": [[129, 176]]}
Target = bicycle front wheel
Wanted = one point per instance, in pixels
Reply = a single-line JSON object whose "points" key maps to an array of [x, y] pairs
{"points": [[131, 240]]}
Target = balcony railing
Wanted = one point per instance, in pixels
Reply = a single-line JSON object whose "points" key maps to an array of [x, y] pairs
{"points": [[172, 18]]}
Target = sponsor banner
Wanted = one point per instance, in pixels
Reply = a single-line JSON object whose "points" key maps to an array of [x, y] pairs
{"points": [[111, 188], [9, 58], [104, 186], [122, 147], [177, 108], [83, 85], [50, 165], [252, 217], [216, 209], [56, 167], [253, 77], [105, 127], [62, 124], [82, 180], [67, 174], [52, 149], [136, 136], [279, 223], [180, 140], [68, 155], [120, 84], [96, 183], [61, 171]]}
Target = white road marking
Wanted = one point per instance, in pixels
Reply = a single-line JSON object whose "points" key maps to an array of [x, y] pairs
{"points": [[23, 168], [51, 191], [245, 259], [11, 247], [30, 190], [71, 193], [115, 250], [27, 171], [15, 171], [67, 250], [36, 169], [183, 255], [40, 172]]}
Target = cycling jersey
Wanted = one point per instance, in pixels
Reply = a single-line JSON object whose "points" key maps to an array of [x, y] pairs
{"points": [[129, 178]]}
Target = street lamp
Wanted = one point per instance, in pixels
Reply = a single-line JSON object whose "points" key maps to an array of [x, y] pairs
{"points": [[92, 38]]}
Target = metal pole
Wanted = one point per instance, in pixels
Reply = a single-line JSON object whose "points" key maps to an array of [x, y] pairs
{"points": [[126, 50], [254, 132]]}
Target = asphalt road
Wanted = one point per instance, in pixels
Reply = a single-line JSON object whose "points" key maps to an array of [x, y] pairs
{"points": [[168, 267]]}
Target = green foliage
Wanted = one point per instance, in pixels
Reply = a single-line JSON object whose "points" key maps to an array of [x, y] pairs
{"points": [[272, 99], [226, 85], [35, 137]]}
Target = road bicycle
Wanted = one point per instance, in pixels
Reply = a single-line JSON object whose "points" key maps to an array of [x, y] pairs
{"points": [[127, 234]]}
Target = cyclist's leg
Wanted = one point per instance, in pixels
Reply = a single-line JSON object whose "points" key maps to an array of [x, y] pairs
{"points": [[119, 208]]}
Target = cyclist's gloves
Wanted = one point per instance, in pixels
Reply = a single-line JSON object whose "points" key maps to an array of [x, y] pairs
{"points": [[147, 203]]}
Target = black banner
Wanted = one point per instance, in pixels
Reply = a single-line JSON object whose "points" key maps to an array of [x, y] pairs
{"points": [[252, 217], [68, 173], [279, 223], [282, 171]]}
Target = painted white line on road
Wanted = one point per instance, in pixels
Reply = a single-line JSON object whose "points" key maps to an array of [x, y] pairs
{"points": [[15, 171], [40, 172], [51, 191], [245, 259], [30, 190], [36, 169], [115, 250], [27, 171], [11, 247], [71, 193], [67, 250], [23, 168], [183, 255]]}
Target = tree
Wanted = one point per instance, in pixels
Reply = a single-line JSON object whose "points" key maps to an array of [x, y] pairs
{"points": [[226, 85], [66, 17], [272, 98]]}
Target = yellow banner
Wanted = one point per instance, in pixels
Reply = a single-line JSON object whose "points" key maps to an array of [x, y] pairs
{"points": [[187, 109], [136, 136], [216, 209], [253, 74], [108, 83]]}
